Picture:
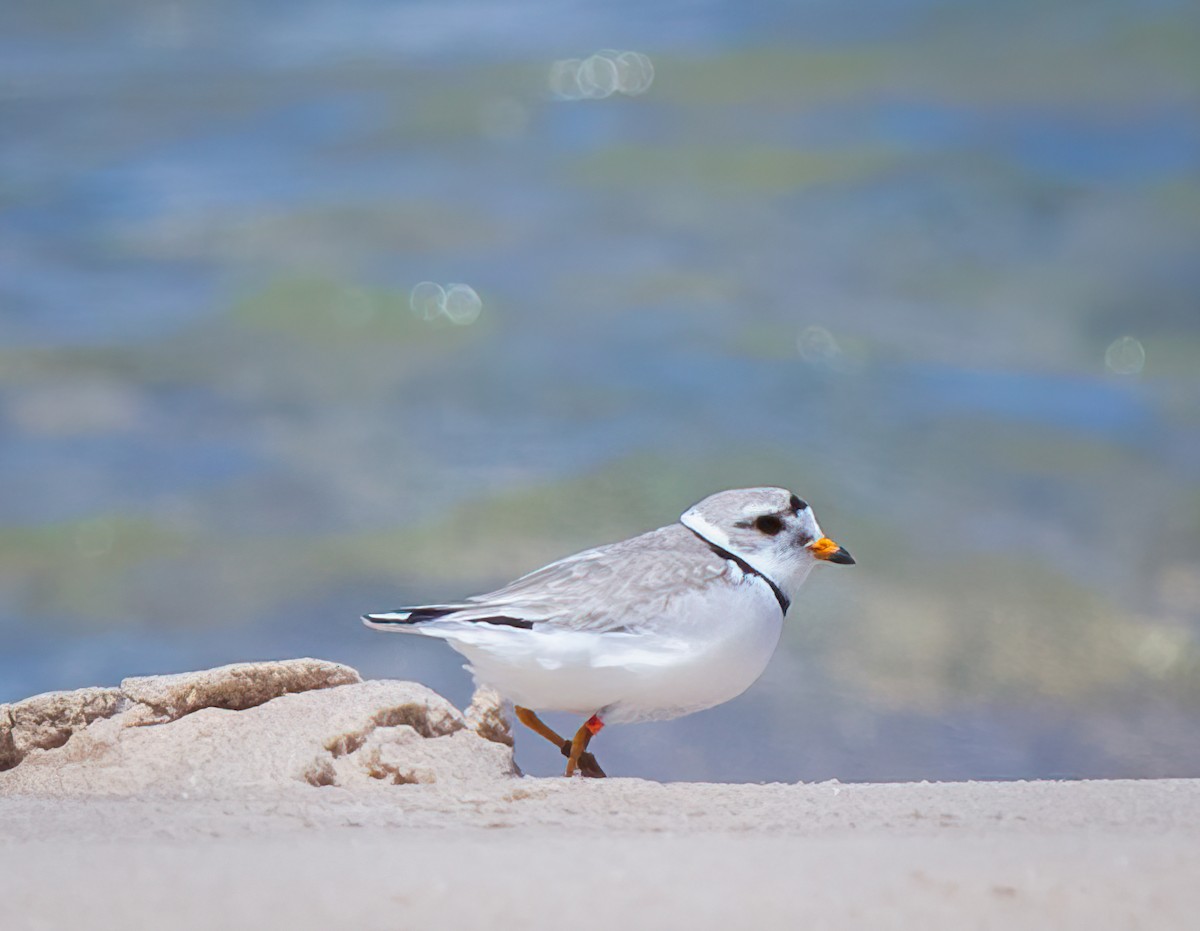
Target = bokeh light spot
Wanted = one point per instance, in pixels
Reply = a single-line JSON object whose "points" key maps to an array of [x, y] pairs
{"points": [[564, 79], [462, 304], [817, 345], [635, 73], [1125, 356], [598, 76], [601, 75], [458, 303], [427, 300]]}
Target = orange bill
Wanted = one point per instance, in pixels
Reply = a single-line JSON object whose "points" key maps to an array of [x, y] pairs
{"points": [[829, 551]]}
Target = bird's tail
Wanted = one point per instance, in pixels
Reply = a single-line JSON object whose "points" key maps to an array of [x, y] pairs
{"points": [[423, 619], [406, 620]]}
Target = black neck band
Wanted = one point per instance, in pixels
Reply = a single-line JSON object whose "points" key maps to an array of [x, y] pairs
{"points": [[784, 601]]}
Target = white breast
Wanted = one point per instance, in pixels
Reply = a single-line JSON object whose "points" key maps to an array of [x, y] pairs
{"points": [[708, 646]]}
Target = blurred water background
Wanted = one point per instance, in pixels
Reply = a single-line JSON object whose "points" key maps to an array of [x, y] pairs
{"points": [[932, 265]]}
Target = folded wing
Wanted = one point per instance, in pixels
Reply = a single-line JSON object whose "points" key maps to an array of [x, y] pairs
{"points": [[580, 592]]}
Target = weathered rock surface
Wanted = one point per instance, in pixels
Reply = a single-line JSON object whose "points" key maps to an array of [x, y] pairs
{"points": [[236, 687], [44, 722], [485, 716], [251, 725]]}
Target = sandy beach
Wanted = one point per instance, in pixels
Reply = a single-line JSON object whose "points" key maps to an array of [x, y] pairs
{"points": [[1050, 855], [464, 846]]}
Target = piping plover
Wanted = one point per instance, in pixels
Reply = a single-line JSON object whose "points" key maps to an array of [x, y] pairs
{"points": [[673, 621]]}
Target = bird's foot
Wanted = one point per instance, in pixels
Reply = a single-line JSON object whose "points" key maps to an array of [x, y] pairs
{"points": [[587, 763]]}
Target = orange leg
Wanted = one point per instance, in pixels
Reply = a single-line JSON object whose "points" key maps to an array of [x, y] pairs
{"points": [[575, 758], [585, 762], [537, 725]]}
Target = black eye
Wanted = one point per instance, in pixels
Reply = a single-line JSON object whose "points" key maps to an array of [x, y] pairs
{"points": [[798, 504], [769, 524]]}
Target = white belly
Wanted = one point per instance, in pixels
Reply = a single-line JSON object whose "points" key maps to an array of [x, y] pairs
{"points": [[711, 647]]}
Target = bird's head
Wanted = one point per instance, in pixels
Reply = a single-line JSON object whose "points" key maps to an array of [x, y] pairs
{"points": [[772, 529]]}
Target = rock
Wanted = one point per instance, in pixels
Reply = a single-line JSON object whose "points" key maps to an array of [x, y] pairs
{"points": [[249, 726], [486, 716], [235, 687], [44, 722]]}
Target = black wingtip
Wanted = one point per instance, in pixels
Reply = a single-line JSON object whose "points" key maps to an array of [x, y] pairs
{"points": [[414, 617]]}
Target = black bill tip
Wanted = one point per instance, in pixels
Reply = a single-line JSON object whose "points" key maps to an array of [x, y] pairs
{"points": [[841, 556]]}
